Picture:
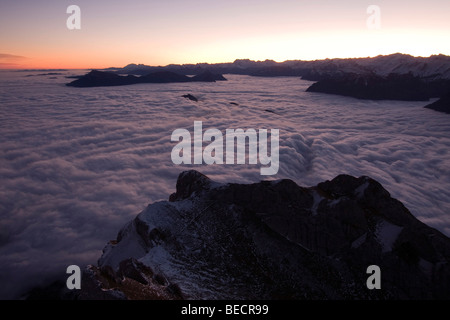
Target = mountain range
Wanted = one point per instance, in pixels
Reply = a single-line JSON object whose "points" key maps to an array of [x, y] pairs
{"points": [[391, 77], [435, 66]]}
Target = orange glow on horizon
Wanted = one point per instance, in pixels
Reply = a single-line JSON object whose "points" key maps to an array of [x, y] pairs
{"points": [[278, 48], [115, 34]]}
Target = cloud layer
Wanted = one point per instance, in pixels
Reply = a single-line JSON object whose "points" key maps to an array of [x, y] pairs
{"points": [[76, 164]]}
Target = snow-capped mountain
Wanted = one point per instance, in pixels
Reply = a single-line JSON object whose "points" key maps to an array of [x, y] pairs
{"points": [[392, 77], [435, 66]]}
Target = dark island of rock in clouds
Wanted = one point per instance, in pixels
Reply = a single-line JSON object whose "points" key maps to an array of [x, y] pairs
{"points": [[97, 78], [272, 240]]}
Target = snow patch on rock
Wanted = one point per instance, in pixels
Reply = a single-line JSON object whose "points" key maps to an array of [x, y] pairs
{"points": [[386, 234]]}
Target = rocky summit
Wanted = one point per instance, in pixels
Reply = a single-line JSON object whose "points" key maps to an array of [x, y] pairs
{"points": [[272, 240]]}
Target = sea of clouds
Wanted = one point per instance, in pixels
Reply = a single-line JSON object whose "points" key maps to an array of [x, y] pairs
{"points": [[77, 163]]}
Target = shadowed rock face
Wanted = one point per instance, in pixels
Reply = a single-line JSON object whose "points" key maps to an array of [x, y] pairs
{"points": [[273, 240]]}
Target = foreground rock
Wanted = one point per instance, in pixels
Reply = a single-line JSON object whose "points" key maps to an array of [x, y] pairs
{"points": [[272, 240]]}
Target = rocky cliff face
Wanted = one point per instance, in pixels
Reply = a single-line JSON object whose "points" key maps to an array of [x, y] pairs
{"points": [[272, 240]]}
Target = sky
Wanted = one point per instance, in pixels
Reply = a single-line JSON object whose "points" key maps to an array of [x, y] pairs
{"points": [[34, 34]]}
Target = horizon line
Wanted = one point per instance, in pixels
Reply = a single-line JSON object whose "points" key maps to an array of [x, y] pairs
{"points": [[216, 63]]}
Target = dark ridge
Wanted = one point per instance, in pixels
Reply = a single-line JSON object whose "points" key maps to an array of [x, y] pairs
{"points": [[103, 79], [405, 87], [277, 71], [97, 78], [163, 77]]}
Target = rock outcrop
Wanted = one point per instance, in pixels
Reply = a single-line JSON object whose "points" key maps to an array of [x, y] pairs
{"points": [[190, 97], [272, 240]]}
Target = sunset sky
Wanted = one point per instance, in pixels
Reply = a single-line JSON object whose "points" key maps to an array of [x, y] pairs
{"points": [[114, 33]]}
